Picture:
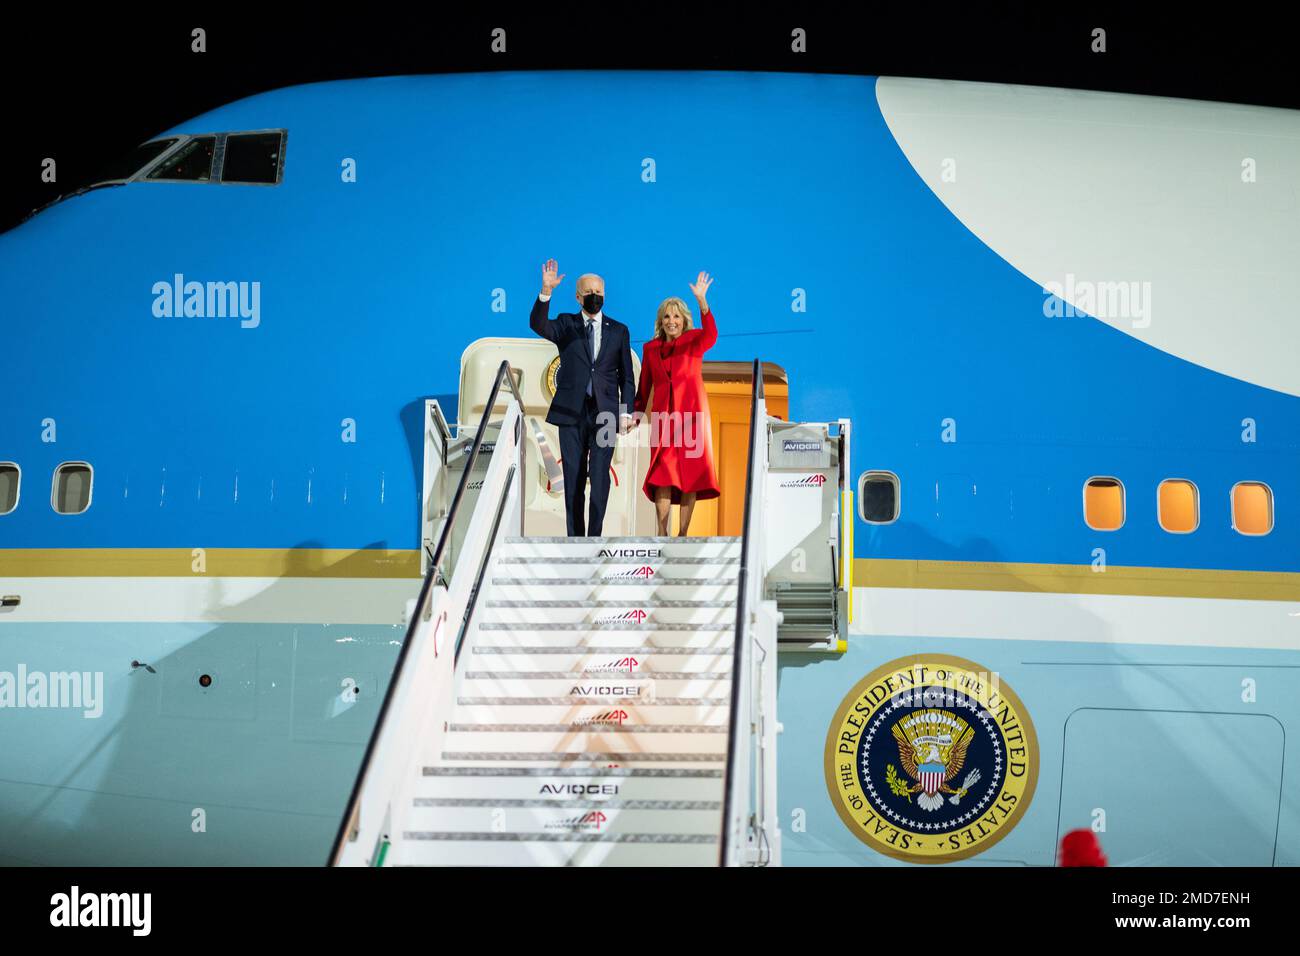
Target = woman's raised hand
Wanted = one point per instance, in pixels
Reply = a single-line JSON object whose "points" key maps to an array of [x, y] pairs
{"points": [[701, 285]]}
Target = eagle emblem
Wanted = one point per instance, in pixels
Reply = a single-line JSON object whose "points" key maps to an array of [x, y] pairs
{"points": [[550, 376], [932, 749], [931, 758]]}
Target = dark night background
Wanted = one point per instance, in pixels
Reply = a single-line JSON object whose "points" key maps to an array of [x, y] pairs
{"points": [[85, 90]]}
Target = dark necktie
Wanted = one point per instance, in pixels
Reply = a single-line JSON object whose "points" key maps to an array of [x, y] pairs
{"points": [[591, 347]]}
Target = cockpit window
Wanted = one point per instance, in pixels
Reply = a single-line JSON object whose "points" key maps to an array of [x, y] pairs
{"points": [[252, 158], [136, 160], [191, 163]]}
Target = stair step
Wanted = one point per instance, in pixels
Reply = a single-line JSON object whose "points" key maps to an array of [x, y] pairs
{"points": [[698, 818], [635, 592], [613, 656], [603, 688], [580, 627], [635, 548], [606, 714], [608, 612], [612, 747], [616, 539], [592, 713], [650, 664], [608, 560], [567, 701], [605, 642], [548, 568], [591, 759], [520, 783], [660, 603], [565, 805], [440, 770], [566, 728], [627, 669], [497, 849]]}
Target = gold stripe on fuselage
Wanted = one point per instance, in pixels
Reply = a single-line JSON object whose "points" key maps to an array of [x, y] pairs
{"points": [[867, 572], [1077, 579], [212, 562]]}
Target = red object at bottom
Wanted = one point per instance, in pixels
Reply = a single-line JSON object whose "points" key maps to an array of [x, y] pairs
{"points": [[1081, 848]]}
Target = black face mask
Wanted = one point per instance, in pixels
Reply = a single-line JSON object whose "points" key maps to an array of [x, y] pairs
{"points": [[591, 302]]}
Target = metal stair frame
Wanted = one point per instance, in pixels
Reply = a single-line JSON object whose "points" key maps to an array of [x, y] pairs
{"points": [[751, 833], [405, 734]]}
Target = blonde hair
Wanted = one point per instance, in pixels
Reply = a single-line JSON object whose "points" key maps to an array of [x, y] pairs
{"points": [[664, 306]]}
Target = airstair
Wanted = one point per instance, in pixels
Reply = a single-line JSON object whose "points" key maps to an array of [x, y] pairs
{"points": [[596, 701]]}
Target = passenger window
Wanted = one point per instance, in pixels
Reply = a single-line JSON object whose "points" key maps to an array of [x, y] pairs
{"points": [[191, 163], [878, 497], [253, 158], [10, 478], [1178, 506], [72, 487], [1252, 508], [1103, 504]]}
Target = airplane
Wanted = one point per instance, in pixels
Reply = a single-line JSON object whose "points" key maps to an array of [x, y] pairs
{"points": [[1004, 410]]}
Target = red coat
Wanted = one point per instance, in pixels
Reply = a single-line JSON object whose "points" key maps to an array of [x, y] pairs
{"points": [[681, 452]]}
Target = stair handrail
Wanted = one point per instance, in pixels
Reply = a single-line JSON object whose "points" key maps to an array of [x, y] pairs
{"points": [[432, 576], [737, 784]]}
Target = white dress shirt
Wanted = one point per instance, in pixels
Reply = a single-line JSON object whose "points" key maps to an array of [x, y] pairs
{"points": [[597, 318], [587, 319]]}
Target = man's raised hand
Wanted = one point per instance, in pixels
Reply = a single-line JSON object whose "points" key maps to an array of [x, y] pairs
{"points": [[550, 276]]}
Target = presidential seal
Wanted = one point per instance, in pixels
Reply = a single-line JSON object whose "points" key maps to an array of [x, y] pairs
{"points": [[931, 759], [548, 377]]}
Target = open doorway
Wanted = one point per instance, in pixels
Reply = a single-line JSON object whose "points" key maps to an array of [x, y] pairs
{"points": [[729, 386]]}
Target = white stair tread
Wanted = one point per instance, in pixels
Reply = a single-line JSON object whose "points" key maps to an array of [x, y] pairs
{"points": [[592, 710], [693, 773], [608, 714], [678, 654], [696, 818], [523, 589], [546, 576], [604, 642], [722, 613], [596, 759], [559, 784], [623, 673], [566, 560], [615, 541], [565, 806], [565, 661], [597, 687], [599, 739], [571, 701], [456, 850], [583, 627], [563, 727], [652, 604]]}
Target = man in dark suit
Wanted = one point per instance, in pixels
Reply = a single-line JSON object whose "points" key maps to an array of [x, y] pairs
{"points": [[594, 392]]}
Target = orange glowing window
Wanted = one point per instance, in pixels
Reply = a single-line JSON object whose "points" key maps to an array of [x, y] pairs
{"points": [[1103, 504], [1178, 506], [1252, 507]]}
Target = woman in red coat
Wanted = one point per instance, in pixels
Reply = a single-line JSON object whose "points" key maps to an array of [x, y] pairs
{"points": [[681, 460]]}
